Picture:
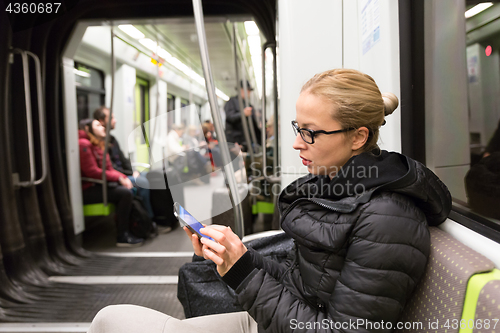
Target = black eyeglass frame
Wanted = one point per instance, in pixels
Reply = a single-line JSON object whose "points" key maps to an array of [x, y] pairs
{"points": [[313, 133]]}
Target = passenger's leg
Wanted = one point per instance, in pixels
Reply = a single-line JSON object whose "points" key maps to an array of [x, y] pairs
{"points": [[141, 184], [235, 322], [128, 319], [137, 319], [92, 195], [123, 199]]}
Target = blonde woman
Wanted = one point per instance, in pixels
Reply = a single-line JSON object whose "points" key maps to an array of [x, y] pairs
{"points": [[359, 221]]}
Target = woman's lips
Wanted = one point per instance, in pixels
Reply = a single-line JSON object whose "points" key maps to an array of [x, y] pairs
{"points": [[305, 161]]}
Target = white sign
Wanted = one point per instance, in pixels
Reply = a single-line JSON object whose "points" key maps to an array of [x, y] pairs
{"points": [[370, 24]]}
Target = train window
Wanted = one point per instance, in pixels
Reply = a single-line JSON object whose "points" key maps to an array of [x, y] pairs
{"points": [[170, 102], [482, 181], [184, 102], [90, 91], [170, 107]]}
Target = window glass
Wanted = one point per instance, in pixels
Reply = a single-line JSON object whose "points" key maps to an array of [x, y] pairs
{"points": [[90, 91], [482, 182]]}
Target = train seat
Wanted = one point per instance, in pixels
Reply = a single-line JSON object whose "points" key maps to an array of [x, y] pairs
{"points": [[444, 296], [488, 305], [98, 209]]}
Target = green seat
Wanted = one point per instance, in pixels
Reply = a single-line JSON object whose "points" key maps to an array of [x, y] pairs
{"points": [[98, 209], [263, 207]]}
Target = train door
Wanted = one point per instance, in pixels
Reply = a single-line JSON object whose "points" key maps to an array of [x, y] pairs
{"points": [[142, 119]]}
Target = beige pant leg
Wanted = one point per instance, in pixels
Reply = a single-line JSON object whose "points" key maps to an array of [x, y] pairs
{"points": [[235, 322], [138, 319]]}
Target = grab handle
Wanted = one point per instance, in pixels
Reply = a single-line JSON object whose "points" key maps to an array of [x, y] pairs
{"points": [[41, 117], [29, 120]]}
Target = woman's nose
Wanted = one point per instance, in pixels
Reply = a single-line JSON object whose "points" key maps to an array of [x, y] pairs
{"points": [[299, 144]]}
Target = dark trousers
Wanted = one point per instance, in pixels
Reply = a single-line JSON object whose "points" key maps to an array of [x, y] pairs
{"points": [[120, 196]]}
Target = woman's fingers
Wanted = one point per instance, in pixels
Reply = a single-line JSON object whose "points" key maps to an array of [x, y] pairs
{"points": [[195, 241], [220, 233], [217, 247], [207, 254]]}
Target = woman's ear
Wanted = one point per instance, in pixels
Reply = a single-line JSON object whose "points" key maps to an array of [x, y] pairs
{"points": [[360, 137]]}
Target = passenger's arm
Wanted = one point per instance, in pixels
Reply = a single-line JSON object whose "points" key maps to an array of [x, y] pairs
{"points": [[126, 165], [385, 259], [173, 145], [89, 167]]}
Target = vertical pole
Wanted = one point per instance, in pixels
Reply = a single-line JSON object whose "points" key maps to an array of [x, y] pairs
{"points": [[221, 136], [244, 119], [108, 125]]}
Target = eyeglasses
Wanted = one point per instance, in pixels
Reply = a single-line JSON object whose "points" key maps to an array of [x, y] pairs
{"points": [[308, 135]]}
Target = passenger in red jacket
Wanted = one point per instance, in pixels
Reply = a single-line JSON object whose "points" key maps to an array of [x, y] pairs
{"points": [[91, 161]]}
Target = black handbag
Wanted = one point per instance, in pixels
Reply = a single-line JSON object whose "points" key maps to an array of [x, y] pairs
{"points": [[202, 292]]}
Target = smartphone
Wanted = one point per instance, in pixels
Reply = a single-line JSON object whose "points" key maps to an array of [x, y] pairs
{"points": [[187, 220]]}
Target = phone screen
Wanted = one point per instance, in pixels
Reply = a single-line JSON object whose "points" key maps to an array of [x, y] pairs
{"points": [[191, 221]]}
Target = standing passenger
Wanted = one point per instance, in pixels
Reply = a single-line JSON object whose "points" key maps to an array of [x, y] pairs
{"points": [[359, 221], [234, 126]]}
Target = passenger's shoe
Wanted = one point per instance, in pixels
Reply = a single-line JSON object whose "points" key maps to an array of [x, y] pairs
{"points": [[163, 226], [164, 229], [128, 240]]}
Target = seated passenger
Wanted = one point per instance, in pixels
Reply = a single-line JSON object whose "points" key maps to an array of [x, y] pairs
{"points": [[359, 220], [197, 163], [494, 144], [91, 142], [212, 152], [122, 163], [183, 159]]}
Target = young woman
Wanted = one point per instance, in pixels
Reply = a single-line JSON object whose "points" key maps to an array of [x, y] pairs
{"points": [[91, 142], [359, 220]]}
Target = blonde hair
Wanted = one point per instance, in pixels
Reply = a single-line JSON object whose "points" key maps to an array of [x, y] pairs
{"points": [[356, 99]]}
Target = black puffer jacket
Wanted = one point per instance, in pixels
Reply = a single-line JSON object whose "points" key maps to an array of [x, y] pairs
{"points": [[357, 257]]}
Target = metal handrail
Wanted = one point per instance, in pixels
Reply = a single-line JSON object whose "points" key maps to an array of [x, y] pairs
{"points": [[142, 165], [29, 120], [250, 118], [108, 125], [41, 117], [240, 103], [273, 178], [276, 155], [214, 107]]}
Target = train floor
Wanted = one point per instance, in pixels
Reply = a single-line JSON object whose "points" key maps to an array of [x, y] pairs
{"points": [[145, 276]]}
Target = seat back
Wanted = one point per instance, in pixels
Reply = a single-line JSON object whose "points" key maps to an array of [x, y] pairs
{"points": [[440, 296], [487, 312]]}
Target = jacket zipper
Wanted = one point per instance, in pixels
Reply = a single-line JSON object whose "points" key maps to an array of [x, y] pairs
{"points": [[293, 204]]}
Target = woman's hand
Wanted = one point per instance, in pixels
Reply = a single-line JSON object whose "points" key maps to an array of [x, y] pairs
{"points": [[126, 182], [195, 241], [228, 249]]}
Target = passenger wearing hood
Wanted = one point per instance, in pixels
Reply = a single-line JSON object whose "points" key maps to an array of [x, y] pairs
{"points": [[359, 222]]}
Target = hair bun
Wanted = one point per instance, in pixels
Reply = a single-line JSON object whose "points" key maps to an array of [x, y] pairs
{"points": [[391, 102]]}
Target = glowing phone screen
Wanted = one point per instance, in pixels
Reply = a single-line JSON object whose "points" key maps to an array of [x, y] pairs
{"points": [[193, 223]]}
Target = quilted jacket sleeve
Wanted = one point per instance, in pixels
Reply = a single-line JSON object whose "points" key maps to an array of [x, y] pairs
{"points": [[89, 167], [386, 256]]}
